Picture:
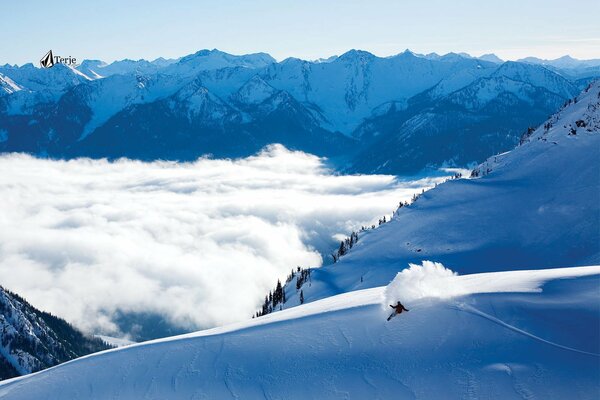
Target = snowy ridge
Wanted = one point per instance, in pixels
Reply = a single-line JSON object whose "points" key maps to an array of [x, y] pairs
{"points": [[344, 343], [7, 85], [580, 116]]}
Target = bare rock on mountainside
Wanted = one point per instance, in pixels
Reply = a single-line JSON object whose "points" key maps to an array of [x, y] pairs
{"points": [[32, 340]]}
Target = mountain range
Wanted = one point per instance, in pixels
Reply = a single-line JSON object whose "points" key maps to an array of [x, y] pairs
{"points": [[395, 114]]}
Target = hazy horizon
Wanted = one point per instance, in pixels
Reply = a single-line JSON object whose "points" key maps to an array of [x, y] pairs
{"points": [[325, 57], [307, 30]]}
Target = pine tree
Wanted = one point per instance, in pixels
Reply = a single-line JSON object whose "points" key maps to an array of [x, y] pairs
{"points": [[342, 249], [301, 297], [277, 296]]}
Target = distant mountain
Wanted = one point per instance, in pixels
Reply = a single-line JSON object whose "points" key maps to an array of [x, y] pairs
{"points": [[368, 113], [96, 69], [32, 340], [569, 66], [491, 58], [564, 62], [484, 117]]}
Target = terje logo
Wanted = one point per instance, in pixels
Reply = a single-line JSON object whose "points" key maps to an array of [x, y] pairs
{"points": [[48, 60]]}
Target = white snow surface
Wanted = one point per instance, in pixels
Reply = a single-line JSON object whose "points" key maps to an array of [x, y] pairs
{"points": [[7, 85], [534, 333]]}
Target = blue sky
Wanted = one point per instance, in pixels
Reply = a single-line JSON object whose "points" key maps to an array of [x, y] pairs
{"points": [[111, 29]]}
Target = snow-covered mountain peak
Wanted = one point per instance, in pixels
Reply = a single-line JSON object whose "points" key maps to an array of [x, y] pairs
{"points": [[91, 68], [163, 62], [196, 101], [325, 60], [353, 56], [255, 91], [537, 75], [39, 79], [408, 54], [491, 57], [455, 57], [215, 59]]}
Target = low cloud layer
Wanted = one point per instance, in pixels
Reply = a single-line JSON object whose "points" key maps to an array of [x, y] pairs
{"points": [[198, 243]]}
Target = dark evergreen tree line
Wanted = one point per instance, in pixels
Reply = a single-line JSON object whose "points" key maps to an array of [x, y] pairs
{"points": [[346, 245], [277, 298]]}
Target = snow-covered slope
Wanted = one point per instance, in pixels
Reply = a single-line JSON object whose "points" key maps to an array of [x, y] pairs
{"points": [[537, 76], [8, 86], [537, 206], [56, 79], [36, 86], [510, 335]]}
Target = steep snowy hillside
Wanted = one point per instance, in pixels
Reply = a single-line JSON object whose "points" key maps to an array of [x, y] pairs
{"points": [[56, 79], [453, 124], [8, 86], [537, 206], [508, 335], [31, 340]]}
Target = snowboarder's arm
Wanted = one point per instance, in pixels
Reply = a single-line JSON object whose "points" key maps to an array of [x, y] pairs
{"points": [[392, 306]]}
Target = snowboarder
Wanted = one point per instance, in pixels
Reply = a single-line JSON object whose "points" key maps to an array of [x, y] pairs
{"points": [[398, 308]]}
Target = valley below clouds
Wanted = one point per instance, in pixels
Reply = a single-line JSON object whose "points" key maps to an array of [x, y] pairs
{"points": [[198, 244]]}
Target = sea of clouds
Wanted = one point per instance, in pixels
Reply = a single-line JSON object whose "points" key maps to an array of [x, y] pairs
{"points": [[196, 243]]}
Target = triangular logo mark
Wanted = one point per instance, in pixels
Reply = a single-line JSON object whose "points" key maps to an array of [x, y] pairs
{"points": [[48, 60]]}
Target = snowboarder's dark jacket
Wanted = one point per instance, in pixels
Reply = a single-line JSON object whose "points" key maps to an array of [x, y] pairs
{"points": [[399, 308]]}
